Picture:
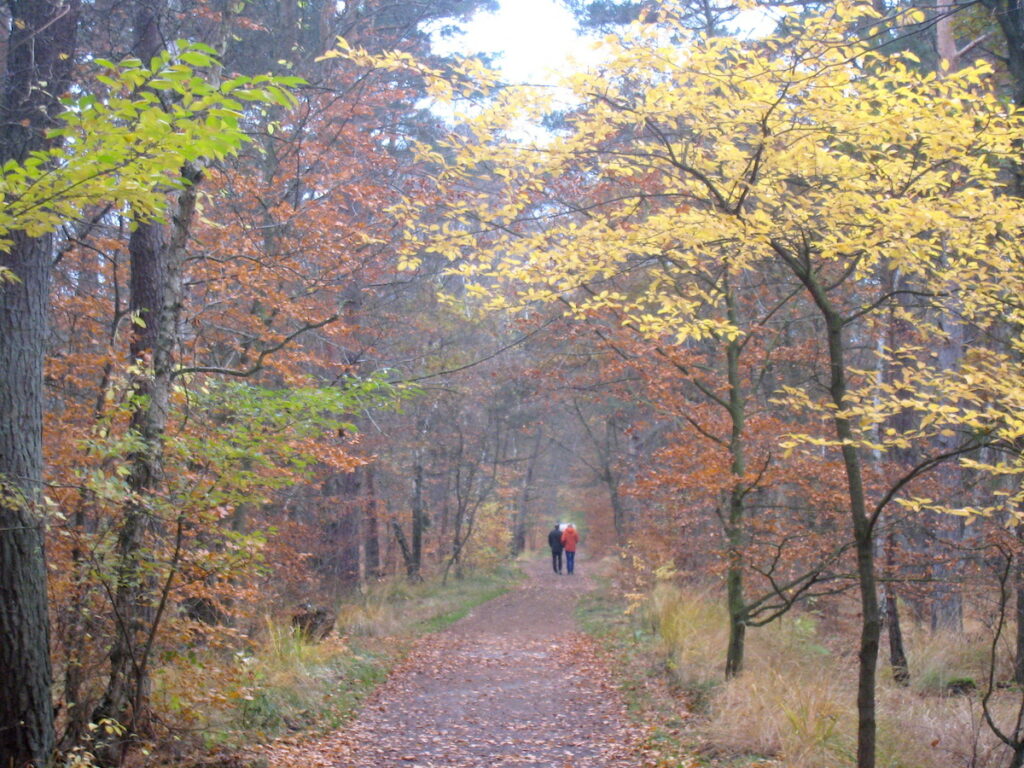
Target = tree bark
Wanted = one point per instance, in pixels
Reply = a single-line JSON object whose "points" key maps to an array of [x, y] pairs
{"points": [[403, 544], [523, 514], [419, 520], [861, 523], [40, 50], [612, 480], [863, 542], [1018, 575], [735, 529], [897, 651], [157, 293], [371, 533], [26, 711]]}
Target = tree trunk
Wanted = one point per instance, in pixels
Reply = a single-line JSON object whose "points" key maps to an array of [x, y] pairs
{"points": [[619, 514], [26, 711], [736, 528], [864, 546], [40, 50], [157, 294], [371, 533], [606, 455], [737, 628], [947, 605], [861, 523], [526, 497], [419, 520], [897, 651], [1018, 662], [156, 297], [403, 544], [455, 558]]}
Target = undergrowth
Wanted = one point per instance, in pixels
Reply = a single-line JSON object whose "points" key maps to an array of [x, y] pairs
{"points": [[652, 700], [285, 683], [794, 704]]}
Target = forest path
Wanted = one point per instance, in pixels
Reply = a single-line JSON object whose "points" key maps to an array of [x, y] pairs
{"points": [[511, 684]]}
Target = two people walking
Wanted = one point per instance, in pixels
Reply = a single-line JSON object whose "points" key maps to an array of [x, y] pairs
{"points": [[563, 541]]}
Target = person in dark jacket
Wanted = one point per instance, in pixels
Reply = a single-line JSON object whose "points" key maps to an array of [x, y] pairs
{"points": [[555, 542]]}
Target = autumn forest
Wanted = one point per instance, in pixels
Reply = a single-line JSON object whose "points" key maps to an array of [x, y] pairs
{"points": [[310, 333]]}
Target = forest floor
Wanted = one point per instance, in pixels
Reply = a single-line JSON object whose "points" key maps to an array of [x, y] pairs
{"points": [[514, 683]]}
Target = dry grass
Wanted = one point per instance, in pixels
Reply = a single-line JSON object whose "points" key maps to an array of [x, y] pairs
{"points": [[795, 701], [220, 696]]}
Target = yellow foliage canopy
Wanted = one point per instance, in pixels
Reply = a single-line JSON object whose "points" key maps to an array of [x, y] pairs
{"points": [[684, 166]]}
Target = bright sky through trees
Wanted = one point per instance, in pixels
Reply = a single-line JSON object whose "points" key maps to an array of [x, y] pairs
{"points": [[533, 38], [537, 40]]}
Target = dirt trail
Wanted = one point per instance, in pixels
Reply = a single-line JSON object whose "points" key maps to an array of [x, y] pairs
{"points": [[511, 684]]}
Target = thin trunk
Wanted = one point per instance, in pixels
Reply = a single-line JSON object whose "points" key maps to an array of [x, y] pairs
{"points": [[735, 529], [897, 334], [1018, 662], [134, 602], [157, 260], [606, 455], [371, 533], [897, 651], [134, 569], [80, 627], [618, 508], [522, 519], [864, 546], [455, 559], [419, 520], [403, 544], [861, 523], [947, 599]]}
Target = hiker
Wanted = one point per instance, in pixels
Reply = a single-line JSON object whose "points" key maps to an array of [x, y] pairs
{"points": [[555, 542], [569, 541]]}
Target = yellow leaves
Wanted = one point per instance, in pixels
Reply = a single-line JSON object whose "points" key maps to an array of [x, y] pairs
{"points": [[683, 168], [852, 11], [409, 263], [914, 16]]}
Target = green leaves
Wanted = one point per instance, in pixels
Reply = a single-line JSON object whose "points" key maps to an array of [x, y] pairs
{"points": [[293, 428], [125, 143]]}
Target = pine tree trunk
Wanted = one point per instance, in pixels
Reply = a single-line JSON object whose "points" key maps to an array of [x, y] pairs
{"points": [[40, 49], [26, 711]]}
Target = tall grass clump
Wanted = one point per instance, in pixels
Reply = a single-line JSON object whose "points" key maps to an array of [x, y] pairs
{"points": [[795, 701], [692, 630]]}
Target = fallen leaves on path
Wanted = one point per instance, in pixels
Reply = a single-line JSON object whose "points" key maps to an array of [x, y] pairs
{"points": [[512, 684]]}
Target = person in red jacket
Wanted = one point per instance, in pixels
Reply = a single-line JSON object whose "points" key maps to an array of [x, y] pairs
{"points": [[569, 541]]}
